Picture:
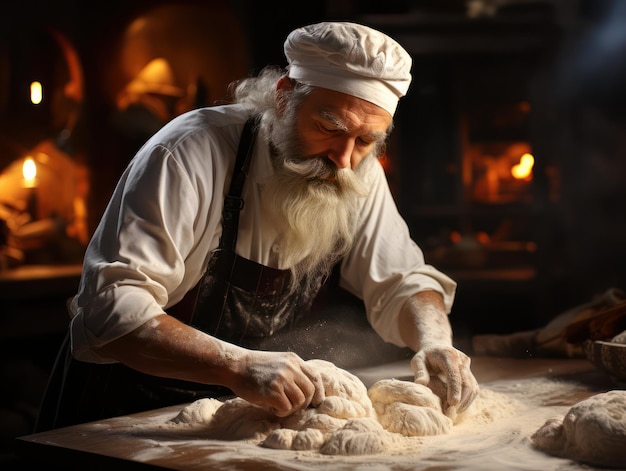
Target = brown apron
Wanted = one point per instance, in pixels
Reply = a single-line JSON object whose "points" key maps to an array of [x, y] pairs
{"points": [[237, 300]]}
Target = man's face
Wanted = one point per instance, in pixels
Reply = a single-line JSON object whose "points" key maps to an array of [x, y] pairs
{"points": [[340, 128]]}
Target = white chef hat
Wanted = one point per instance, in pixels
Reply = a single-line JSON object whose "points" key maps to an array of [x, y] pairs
{"points": [[350, 58]]}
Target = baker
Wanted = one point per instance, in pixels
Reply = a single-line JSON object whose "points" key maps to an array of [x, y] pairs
{"points": [[246, 208]]}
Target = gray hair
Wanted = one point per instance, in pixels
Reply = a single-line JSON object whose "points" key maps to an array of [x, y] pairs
{"points": [[260, 92]]}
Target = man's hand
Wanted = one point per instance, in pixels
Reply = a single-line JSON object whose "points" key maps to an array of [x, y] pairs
{"points": [[279, 381], [446, 371], [426, 329]]}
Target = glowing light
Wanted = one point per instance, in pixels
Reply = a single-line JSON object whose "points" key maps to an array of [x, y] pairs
{"points": [[36, 93], [483, 237], [29, 170], [524, 168]]}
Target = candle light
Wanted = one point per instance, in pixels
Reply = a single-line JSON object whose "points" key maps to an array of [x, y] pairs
{"points": [[29, 172]]}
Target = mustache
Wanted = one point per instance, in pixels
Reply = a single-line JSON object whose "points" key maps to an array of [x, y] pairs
{"points": [[312, 168], [319, 169]]}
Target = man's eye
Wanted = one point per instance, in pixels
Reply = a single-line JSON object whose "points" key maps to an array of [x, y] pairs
{"points": [[327, 128]]}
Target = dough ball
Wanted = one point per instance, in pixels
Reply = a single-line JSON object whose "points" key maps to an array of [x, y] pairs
{"points": [[237, 419], [550, 437], [279, 439], [311, 418], [387, 391], [341, 408], [288, 439], [309, 439], [341, 383], [413, 421], [362, 436], [408, 408], [592, 431], [198, 412]]}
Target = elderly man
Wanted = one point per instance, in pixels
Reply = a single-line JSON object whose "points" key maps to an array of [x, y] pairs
{"points": [[247, 208]]}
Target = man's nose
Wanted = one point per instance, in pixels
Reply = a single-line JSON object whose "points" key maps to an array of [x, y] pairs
{"points": [[341, 153]]}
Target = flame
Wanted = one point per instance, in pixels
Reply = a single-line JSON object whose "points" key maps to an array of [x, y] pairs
{"points": [[524, 168], [36, 93], [29, 172], [29, 169]]}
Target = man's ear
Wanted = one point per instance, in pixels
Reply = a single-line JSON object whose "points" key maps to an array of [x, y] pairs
{"points": [[283, 85]]}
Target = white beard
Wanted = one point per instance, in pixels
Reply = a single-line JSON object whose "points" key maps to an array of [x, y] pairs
{"points": [[316, 217]]}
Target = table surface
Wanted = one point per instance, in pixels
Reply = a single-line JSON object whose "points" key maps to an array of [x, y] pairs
{"points": [[502, 444]]}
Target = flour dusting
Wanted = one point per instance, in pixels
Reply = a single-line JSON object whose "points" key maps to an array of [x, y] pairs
{"points": [[348, 433]]}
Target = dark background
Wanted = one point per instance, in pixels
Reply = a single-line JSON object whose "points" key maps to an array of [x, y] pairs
{"points": [[563, 58]]}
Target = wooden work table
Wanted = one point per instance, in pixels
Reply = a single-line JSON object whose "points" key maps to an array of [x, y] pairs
{"points": [[105, 445]]}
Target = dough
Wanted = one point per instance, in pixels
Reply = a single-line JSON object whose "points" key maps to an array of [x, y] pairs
{"points": [[362, 436], [413, 421], [408, 408], [344, 423], [311, 418], [308, 439], [592, 431], [234, 419], [350, 420], [288, 439], [198, 412], [281, 439], [388, 391], [341, 383], [342, 408]]}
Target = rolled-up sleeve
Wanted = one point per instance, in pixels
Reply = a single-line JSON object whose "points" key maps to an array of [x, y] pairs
{"points": [[152, 242], [386, 267], [136, 258]]}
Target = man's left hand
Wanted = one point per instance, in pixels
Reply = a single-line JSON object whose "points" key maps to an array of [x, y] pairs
{"points": [[446, 371]]}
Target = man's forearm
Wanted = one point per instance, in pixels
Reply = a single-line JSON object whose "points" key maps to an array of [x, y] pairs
{"points": [[280, 381], [169, 348], [423, 321]]}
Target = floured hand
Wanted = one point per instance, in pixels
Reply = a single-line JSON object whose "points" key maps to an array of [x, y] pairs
{"points": [[446, 371], [279, 381]]}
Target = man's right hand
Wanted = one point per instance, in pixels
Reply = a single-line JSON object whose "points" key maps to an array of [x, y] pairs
{"points": [[280, 381]]}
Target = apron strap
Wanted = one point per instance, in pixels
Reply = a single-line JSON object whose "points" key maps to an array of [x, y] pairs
{"points": [[185, 309], [233, 203]]}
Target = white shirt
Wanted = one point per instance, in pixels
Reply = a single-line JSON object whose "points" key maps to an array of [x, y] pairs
{"points": [[164, 220]]}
